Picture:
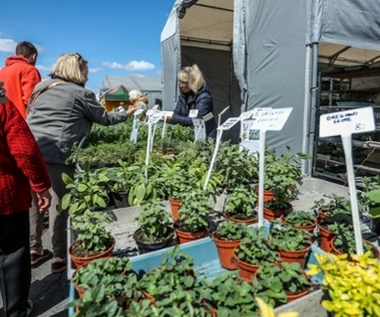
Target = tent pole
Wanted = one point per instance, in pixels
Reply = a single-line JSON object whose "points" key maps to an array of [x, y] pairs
{"points": [[313, 105], [306, 108]]}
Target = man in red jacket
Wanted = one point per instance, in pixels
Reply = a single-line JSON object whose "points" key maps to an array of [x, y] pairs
{"points": [[21, 167], [20, 76]]}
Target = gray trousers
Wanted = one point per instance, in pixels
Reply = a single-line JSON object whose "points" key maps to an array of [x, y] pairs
{"points": [[57, 221]]}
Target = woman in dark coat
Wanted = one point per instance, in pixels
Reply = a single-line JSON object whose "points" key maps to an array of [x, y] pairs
{"points": [[194, 96]]}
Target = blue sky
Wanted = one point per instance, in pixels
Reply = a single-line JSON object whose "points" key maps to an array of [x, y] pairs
{"points": [[117, 37]]}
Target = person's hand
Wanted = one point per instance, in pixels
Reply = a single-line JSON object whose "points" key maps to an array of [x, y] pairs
{"points": [[168, 118], [44, 201], [131, 110]]}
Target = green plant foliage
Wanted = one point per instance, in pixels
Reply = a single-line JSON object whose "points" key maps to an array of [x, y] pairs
{"points": [[232, 231], [288, 238], [300, 218], [241, 202]]}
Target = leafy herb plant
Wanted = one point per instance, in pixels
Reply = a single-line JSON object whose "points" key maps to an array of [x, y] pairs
{"points": [[241, 202], [300, 218], [231, 231], [288, 238]]}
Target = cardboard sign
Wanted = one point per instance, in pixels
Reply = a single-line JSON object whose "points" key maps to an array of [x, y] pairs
{"points": [[193, 113], [228, 124], [347, 122], [272, 120]]}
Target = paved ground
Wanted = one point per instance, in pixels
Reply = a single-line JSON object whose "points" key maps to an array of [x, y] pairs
{"points": [[49, 292]]}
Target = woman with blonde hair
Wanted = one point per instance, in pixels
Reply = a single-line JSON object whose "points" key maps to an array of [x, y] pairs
{"points": [[194, 96], [61, 112]]}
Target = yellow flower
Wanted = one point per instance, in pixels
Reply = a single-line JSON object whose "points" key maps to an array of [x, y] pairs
{"points": [[268, 311]]}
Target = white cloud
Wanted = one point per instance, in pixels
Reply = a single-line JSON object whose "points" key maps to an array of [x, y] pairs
{"points": [[131, 66], [7, 45], [94, 70], [45, 67], [139, 75]]}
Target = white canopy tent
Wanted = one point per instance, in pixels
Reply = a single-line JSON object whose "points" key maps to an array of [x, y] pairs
{"points": [[278, 49]]}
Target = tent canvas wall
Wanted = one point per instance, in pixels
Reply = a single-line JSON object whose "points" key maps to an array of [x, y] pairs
{"points": [[201, 35], [150, 86], [279, 47]]}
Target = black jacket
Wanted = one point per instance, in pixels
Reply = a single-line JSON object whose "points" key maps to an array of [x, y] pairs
{"points": [[202, 101]]}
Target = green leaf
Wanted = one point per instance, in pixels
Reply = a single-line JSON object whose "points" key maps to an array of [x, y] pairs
{"points": [[67, 179], [66, 200], [101, 202], [82, 187]]}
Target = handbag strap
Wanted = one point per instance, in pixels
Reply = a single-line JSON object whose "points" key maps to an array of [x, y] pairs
{"points": [[35, 95]]}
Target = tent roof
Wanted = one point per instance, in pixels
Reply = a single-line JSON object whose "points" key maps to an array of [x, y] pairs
{"points": [[144, 84], [208, 24], [120, 93]]}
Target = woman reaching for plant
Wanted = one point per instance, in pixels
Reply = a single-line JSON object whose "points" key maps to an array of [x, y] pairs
{"points": [[61, 112]]}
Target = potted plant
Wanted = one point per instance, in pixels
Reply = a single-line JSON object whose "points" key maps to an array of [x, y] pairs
{"points": [[332, 226], [284, 283], [241, 205], [93, 241], [349, 286], [88, 191], [123, 179], [300, 220], [226, 239], [228, 295], [177, 184], [193, 222], [176, 272], [252, 253], [337, 206], [293, 245], [155, 231], [276, 208], [344, 242], [100, 271]]}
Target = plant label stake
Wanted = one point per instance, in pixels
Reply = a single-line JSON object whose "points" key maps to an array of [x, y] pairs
{"points": [[345, 123], [266, 120], [166, 115], [221, 113], [199, 129], [153, 119], [136, 125], [228, 124]]}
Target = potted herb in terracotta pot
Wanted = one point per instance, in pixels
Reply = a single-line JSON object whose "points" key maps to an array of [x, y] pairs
{"points": [[176, 271], [337, 206], [178, 184], [93, 241], [252, 253], [155, 231], [241, 205], [344, 242], [331, 227], [228, 295], [100, 271], [293, 245], [227, 237], [274, 209], [194, 211], [284, 283], [300, 220]]}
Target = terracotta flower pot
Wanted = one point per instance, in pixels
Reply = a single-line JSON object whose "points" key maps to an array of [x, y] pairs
{"points": [[322, 216], [336, 251], [268, 195], [272, 214], [246, 270], [236, 220], [226, 252], [79, 262], [174, 205], [185, 237], [298, 256], [326, 237], [79, 290], [293, 297], [309, 228]]}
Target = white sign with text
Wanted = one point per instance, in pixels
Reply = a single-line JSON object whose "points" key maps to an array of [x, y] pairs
{"points": [[347, 122], [271, 120], [228, 124]]}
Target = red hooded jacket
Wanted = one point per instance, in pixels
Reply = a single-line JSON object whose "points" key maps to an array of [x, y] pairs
{"points": [[21, 162], [19, 79]]}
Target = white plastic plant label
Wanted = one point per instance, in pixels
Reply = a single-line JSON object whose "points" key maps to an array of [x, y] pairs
{"points": [[193, 113], [271, 120], [228, 124], [246, 115], [199, 130], [347, 122], [208, 116], [155, 117]]}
